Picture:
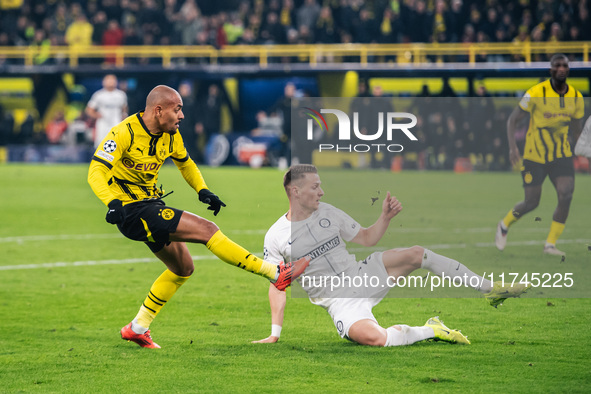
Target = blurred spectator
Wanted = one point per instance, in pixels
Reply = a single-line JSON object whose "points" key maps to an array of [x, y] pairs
{"points": [[59, 24], [113, 36], [324, 29], [188, 128], [111, 9], [24, 32], [150, 19], [209, 110], [247, 38], [217, 33], [56, 128], [583, 21], [108, 106], [555, 33], [26, 134], [163, 22], [489, 26], [79, 33], [233, 29], [390, 27], [99, 24], [5, 41], [282, 109], [307, 14], [41, 47], [345, 16], [420, 23], [130, 10], [6, 127], [456, 19], [267, 125], [190, 22], [254, 25], [364, 28], [440, 22], [272, 31], [131, 36], [287, 14]]}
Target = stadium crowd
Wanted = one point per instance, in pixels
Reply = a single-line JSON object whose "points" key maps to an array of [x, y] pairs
{"points": [[444, 135], [42, 24]]}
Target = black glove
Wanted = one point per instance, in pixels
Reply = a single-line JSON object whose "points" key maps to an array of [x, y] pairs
{"points": [[116, 214], [207, 197]]}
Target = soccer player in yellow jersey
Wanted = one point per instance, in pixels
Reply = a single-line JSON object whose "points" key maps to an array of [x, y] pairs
{"points": [[556, 111], [123, 174]]}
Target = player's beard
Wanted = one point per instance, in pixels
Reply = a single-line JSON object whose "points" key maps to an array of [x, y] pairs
{"points": [[561, 77]]}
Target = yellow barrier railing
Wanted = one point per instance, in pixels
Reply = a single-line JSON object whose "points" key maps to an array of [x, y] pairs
{"points": [[312, 54]]}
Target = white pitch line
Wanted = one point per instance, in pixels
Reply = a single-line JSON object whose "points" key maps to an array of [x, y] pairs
{"points": [[212, 257], [92, 262], [82, 237], [74, 237]]}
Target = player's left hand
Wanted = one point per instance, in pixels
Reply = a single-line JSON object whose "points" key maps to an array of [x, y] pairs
{"points": [[269, 339], [116, 213], [391, 206], [214, 202]]}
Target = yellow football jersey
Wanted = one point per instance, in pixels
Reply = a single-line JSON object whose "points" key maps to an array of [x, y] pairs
{"points": [[550, 116], [125, 166]]}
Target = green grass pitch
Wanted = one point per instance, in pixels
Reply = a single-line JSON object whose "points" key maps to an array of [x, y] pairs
{"points": [[69, 282]]}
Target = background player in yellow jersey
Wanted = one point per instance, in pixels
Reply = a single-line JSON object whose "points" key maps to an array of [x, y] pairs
{"points": [[123, 174], [556, 111]]}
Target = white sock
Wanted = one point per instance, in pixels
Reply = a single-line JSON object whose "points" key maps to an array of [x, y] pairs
{"points": [[137, 328], [407, 335], [440, 265]]}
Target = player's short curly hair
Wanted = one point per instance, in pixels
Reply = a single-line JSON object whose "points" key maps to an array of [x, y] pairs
{"points": [[557, 56], [296, 172]]}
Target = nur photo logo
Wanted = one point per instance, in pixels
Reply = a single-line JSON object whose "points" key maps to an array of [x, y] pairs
{"points": [[389, 126]]}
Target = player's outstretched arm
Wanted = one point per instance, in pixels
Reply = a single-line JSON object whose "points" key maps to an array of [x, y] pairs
{"points": [[277, 301], [371, 236]]}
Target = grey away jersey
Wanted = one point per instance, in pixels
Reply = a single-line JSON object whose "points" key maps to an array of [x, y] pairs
{"points": [[321, 236]]}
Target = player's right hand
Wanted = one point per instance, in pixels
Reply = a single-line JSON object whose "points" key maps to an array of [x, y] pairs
{"points": [[270, 339], [514, 156], [391, 206], [116, 214]]}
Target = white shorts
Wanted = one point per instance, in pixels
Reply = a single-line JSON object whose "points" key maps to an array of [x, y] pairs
{"points": [[347, 311]]}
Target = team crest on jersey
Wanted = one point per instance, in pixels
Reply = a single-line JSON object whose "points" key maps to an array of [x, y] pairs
{"points": [[324, 223], [109, 146], [527, 178], [167, 214]]}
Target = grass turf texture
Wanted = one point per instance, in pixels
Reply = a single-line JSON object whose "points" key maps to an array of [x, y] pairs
{"points": [[59, 325]]}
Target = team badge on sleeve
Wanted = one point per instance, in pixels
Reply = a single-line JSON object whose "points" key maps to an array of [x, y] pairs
{"points": [[110, 146]]}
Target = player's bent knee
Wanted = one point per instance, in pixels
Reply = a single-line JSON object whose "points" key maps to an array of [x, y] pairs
{"points": [[369, 333], [374, 338], [210, 227], [530, 205], [189, 271], [565, 197]]}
